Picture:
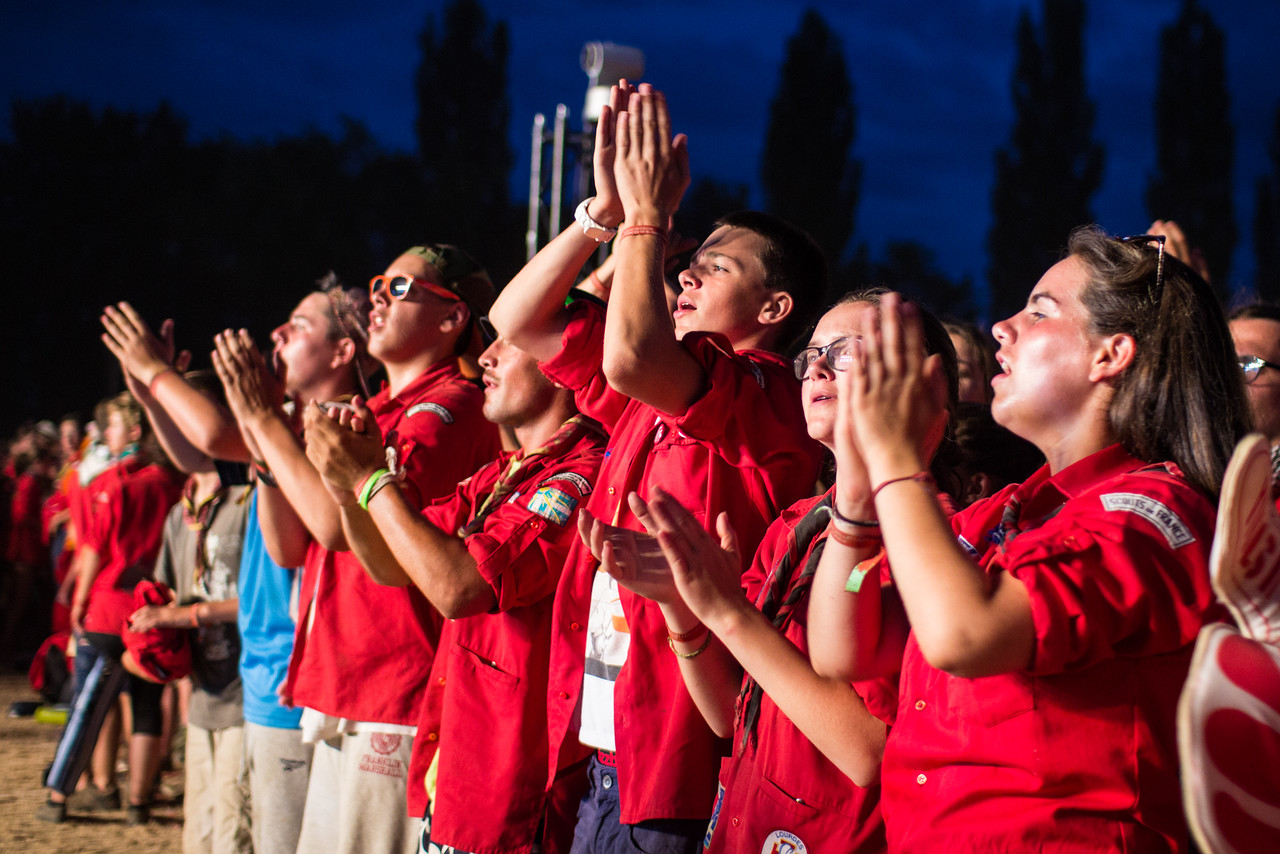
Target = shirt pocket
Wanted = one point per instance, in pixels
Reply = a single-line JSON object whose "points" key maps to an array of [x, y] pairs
{"points": [[486, 669]]}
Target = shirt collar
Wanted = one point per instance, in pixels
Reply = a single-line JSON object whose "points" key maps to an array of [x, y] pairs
{"points": [[446, 368]]}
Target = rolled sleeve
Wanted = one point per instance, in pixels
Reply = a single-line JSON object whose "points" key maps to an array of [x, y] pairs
{"points": [[579, 366]]}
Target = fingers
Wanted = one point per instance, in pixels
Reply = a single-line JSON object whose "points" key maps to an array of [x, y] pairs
{"points": [[728, 536], [641, 510], [182, 362]]}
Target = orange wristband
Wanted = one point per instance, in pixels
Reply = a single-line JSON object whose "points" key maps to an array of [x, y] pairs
{"points": [[636, 230]]}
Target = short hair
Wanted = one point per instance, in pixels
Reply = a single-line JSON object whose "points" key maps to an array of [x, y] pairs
{"points": [[1182, 399], [793, 262], [348, 315], [131, 412], [1257, 311]]}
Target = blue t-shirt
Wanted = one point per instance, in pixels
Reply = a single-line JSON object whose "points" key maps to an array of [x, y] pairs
{"points": [[266, 629]]}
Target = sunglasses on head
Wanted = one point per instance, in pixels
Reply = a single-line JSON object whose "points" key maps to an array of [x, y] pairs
{"points": [[398, 287]]}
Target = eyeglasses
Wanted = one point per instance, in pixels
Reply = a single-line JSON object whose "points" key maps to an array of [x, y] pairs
{"points": [[398, 287], [487, 333], [1251, 366], [1153, 294], [839, 354]]}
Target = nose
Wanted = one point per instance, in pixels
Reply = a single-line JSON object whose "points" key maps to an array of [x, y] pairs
{"points": [[489, 358], [378, 296], [280, 333], [1002, 331], [688, 280]]}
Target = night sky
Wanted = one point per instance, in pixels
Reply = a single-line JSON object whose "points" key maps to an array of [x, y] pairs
{"points": [[931, 82]]}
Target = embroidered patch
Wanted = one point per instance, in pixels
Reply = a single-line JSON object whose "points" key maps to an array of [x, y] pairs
{"points": [[1166, 521], [445, 415], [968, 547], [552, 504], [579, 482], [783, 842]]}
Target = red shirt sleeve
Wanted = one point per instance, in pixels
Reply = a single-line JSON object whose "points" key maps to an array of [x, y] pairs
{"points": [[435, 455], [1109, 583], [580, 366]]}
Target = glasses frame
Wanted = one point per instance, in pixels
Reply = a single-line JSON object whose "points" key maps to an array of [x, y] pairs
{"points": [[1251, 366], [1153, 294], [377, 283], [802, 368]]}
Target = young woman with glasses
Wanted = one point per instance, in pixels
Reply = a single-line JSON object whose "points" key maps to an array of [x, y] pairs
{"points": [[804, 774], [1051, 625]]}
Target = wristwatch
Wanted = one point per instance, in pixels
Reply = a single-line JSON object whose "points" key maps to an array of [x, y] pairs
{"points": [[597, 232]]}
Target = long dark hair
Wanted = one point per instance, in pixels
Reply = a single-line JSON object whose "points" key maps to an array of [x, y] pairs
{"points": [[1182, 398]]}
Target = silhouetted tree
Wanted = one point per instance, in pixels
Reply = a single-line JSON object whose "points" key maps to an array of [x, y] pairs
{"points": [[1194, 139], [1051, 166], [463, 110], [705, 202], [1266, 222], [806, 170]]}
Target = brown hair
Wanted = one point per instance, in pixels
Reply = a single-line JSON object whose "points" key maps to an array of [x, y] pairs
{"points": [[1182, 399]]}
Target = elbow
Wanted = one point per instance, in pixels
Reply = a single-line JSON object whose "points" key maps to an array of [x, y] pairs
{"points": [[287, 556], [863, 769], [466, 601], [955, 652], [624, 371]]}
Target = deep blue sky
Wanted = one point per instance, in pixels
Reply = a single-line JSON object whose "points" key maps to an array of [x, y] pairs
{"points": [[932, 84]]}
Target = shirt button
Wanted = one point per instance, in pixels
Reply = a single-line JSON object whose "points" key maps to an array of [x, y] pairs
{"points": [[919, 705], [441, 680], [922, 779], [734, 822], [564, 695], [575, 626], [607, 781], [433, 736], [612, 490]]}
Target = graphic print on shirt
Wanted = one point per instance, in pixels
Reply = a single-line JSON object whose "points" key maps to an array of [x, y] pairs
{"points": [[608, 638], [783, 842]]}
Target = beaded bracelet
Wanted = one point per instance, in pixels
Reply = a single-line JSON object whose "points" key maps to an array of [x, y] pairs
{"points": [[922, 476], [697, 652], [636, 230]]}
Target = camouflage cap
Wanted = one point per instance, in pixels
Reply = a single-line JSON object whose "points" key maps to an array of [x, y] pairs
{"points": [[460, 274]]}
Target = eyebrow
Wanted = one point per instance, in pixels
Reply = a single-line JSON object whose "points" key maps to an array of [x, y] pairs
{"points": [[1042, 295]]}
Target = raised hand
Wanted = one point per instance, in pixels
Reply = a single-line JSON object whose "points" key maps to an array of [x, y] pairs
{"points": [[253, 393], [634, 559], [607, 207], [651, 167], [141, 352], [707, 571], [345, 446], [894, 396]]}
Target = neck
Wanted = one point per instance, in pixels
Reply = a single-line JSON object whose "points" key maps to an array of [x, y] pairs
{"points": [[1074, 445], [207, 483], [538, 431], [400, 374], [330, 388]]}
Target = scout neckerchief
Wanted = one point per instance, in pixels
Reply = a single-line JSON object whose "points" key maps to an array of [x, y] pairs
{"points": [[524, 464], [197, 518], [785, 590]]}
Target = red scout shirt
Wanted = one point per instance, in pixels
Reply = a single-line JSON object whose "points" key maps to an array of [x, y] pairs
{"points": [[741, 448], [491, 719], [26, 541], [363, 650], [1079, 752], [130, 502], [780, 788]]}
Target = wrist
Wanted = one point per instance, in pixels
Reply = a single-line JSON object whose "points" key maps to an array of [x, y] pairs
{"points": [[650, 215], [891, 465], [607, 212]]}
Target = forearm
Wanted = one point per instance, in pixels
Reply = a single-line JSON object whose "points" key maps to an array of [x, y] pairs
{"points": [[437, 563], [299, 481], [371, 549], [285, 536], [712, 677], [965, 622], [206, 425], [826, 710], [530, 310], [642, 357], [88, 565], [845, 628], [185, 456]]}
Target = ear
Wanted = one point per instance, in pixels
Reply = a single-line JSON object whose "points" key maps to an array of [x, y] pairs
{"points": [[344, 352], [776, 308], [1114, 355], [977, 485], [456, 318], [135, 433]]}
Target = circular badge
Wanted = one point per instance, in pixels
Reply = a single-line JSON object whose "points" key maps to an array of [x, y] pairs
{"points": [[783, 842], [385, 743]]}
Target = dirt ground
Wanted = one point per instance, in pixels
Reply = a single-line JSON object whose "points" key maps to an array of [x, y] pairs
{"points": [[26, 747]]}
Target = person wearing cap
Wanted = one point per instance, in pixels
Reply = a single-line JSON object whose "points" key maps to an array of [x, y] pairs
{"points": [[320, 352], [362, 651]]}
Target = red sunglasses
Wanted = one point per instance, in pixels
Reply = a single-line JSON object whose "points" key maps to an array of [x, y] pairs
{"points": [[398, 287]]}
